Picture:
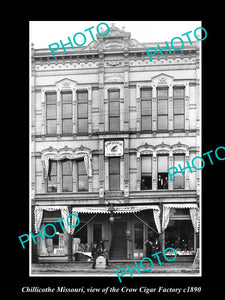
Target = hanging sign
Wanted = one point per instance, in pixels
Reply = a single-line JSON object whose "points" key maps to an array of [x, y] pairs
{"points": [[114, 148]]}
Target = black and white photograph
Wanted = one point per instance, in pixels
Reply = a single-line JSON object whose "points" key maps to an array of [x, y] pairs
{"points": [[115, 132], [120, 163]]}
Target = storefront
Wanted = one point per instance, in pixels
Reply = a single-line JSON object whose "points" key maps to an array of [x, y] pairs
{"points": [[180, 228], [123, 231]]}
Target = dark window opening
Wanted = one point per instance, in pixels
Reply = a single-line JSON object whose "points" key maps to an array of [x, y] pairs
{"points": [[114, 173]]}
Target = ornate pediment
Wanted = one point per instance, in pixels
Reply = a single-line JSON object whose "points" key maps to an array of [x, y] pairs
{"points": [[65, 83], [115, 32], [115, 39], [162, 79]]}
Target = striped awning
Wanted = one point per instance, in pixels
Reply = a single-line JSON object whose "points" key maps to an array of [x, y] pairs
{"points": [[116, 209]]}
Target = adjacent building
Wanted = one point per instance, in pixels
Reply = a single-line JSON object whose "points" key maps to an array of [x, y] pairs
{"points": [[106, 124]]}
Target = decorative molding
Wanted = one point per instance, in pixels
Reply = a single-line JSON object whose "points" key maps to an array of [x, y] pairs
{"points": [[114, 77], [162, 79], [66, 83], [114, 63]]}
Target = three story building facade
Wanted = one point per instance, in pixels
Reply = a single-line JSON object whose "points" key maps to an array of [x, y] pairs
{"points": [[106, 124]]}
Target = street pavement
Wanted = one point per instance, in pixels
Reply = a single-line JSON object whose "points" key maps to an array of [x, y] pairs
{"points": [[84, 268]]}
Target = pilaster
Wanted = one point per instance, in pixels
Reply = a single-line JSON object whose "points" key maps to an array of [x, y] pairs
{"points": [[154, 108]]}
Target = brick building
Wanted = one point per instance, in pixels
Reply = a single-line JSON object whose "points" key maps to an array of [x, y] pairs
{"points": [[106, 124]]}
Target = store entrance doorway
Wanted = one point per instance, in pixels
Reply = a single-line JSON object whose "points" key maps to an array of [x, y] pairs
{"points": [[119, 242]]}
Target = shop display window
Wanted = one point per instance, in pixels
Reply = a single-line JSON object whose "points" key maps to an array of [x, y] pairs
{"points": [[55, 246], [179, 235]]}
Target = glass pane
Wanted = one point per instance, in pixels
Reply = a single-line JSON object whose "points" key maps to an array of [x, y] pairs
{"points": [[67, 96], [50, 97], [52, 168], [162, 163], [67, 167], [178, 159], [114, 182], [82, 125], [179, 235], [114, 108], [81, 168], [114, 165], [67, 110], [114, 123], [162, 180], [82, 96], [67, 184], [51, 126], [146, 123], [178, 92], [114, 94], [146, 182], [178, 106], [146, 93], [51, 111], [178, 181], [82, 183], [146, 107], [178, 121], [138, 235], [146, 164], [82, 110], [162, 107], [67, 126], [52, 185], [162, 122], [162, 93]]}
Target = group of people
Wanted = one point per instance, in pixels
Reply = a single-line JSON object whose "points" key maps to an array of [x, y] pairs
{"points": [[99, 250], [152, 246]]}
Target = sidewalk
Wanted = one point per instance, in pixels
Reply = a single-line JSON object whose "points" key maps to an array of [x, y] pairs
{"points": [[82, 268]]}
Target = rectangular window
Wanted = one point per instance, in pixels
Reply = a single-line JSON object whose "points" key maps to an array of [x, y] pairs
{"points": [[114, 173], [82, 111], [51, 113], [52, 177], [162, 108], [114, 110], [178, 179], [67, 179], [67, 112], [162, 177], [82, 176], [178, 108], [146, 172], [180, 236], [146, 109]]}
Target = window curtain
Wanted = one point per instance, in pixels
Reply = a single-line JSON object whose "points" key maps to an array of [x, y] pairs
{"points": [[194, 214], [88, 164], [166, 217], [156, 214], [56, 157], [195, 218], [74, 220], [38, 214]]}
